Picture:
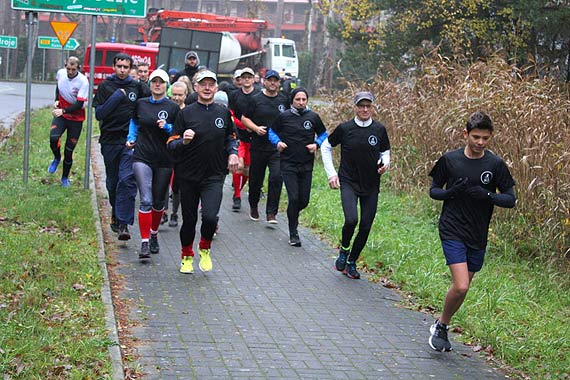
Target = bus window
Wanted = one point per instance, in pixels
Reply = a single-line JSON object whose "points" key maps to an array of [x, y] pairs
{"points": [[276, 50], [289, 51]]}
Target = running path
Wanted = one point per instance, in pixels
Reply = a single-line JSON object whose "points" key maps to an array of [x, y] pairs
{"points": [[270, 311]]}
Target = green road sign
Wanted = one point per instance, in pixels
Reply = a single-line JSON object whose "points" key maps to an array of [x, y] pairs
{"points": [[9, 42], [127, 8], [45, 42]]}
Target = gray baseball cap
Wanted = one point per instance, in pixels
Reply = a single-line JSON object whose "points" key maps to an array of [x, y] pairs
{"points": [[363, 95]]}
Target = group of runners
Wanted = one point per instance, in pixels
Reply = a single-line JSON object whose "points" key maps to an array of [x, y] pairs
{"points": [[248, 130]]}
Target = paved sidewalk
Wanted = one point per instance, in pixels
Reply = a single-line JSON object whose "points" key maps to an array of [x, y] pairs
{"points": [[270, 311]]}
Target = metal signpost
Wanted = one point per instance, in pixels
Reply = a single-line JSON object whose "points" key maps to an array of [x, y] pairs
{"points": [[121, 8]]}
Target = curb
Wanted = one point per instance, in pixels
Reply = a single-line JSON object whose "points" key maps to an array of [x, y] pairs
{"points": [[117, 372]]}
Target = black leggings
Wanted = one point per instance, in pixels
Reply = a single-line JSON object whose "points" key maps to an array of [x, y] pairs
{"points": [[209, 194], [368, 205], [260, 160], [58, 126], [298, 185]]}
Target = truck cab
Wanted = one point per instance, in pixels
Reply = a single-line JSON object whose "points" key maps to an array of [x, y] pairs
{"points": [[281, 55], [106, 51]]}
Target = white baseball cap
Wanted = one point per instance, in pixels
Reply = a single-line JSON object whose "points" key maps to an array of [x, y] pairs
{"points": [[205, 74], [160, 74]]}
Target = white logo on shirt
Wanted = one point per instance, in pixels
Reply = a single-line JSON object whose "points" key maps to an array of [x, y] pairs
{"points": [[486, 177], [307, 124], [132, 96], [219, 122], [372, 140], [281, 108], [162, 115]]}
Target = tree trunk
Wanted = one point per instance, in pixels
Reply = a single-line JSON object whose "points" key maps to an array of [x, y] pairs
{"points": [[310, 26], [320, 53]]}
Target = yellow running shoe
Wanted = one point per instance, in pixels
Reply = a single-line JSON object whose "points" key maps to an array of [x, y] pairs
{"points": [[205, 263], [186, 266]]}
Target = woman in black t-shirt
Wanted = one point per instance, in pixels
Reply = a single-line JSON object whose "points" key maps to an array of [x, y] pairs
{"points": [[148, 133], [293, 134]]}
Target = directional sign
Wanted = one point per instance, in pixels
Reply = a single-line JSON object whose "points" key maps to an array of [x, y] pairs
{"points": [[46, 42], [128, 8], [9, 42], [63, 30]]}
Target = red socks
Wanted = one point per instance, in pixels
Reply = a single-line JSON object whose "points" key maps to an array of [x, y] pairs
{"points": [[239, 181], [145, 222], [156, 219], [204, 244], [236, 179], [187, 251]]}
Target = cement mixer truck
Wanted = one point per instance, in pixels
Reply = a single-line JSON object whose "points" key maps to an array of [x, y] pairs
{"points": [[224, 44], [242, 41]]}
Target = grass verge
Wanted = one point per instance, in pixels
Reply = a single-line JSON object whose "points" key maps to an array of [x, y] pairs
{"points": [[51, 313], [517, 310]]}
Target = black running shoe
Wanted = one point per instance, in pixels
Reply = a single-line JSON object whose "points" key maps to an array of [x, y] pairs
{"points": [[153, 243], [164, 219], [236, 206], [124, 233], [294, 240], [351, 271], [114, 225], [438, 340], [173, 220], [340, 263], [254, 214], [144, 252]]}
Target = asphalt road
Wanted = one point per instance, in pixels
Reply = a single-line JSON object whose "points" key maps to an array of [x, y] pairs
{"points": [[13, 99]]}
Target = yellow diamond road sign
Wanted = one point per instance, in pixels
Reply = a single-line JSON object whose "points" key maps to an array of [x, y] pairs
{"points": [[63, 30]]}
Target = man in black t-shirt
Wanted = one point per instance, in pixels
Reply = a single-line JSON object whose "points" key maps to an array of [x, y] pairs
{"points": [[261, 112], [238, 103], [204, 148], [471, 176], [114, 106], [364, 157]]}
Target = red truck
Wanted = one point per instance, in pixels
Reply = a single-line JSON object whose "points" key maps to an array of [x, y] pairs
{"points": [[241, 45], [105, 51]]}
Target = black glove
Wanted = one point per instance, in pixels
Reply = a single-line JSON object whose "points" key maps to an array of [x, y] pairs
{"points": [[458, 186], [479, 193]]}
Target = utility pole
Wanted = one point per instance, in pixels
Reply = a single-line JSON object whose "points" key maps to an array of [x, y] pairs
{"points": [[278, 18]]}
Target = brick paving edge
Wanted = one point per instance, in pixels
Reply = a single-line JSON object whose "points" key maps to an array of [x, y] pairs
{"points": [[110, 321]]}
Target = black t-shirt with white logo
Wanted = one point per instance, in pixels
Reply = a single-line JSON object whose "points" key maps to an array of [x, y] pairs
{"points": [[206, 155], [297, 131], [150, 146], [115, 127], [263, 110], [239, 102], [359, 155], [463, 218]]}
